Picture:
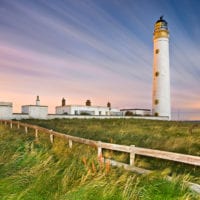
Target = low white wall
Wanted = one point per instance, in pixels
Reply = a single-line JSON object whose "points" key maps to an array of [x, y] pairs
{"points": [[19, 116], [52, 116]]}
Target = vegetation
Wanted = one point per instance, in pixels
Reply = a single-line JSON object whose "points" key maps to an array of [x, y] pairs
{"points": [[85, 113], [181, 137], [128, 113], [36, 170]]}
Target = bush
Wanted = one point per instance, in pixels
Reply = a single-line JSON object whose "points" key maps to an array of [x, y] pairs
{"points": [[128, 113], [85, 113]]}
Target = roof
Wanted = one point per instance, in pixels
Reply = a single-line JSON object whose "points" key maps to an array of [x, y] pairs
{"points": [[83, 106], [161, 20], [5, 104], [127, 109], [20, 113], [34, 106]]}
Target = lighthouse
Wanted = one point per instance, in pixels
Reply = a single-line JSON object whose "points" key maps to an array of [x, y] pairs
{"points": [[161, 73]]}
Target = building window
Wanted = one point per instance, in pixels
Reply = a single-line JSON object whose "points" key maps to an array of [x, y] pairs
{"points": [[99, 112], [157, 51], [156, 102], [157, 74]]}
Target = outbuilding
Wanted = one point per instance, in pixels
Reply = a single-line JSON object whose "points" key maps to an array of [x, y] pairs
{"points": [[36, 111], [6, 109]]}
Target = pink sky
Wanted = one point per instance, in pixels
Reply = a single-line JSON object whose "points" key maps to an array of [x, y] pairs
{"points": [[99, 50]]}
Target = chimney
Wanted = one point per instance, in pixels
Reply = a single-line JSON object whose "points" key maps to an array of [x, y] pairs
{"points": [[109, 105], [88, 103], [38, 101], [63, 102]]}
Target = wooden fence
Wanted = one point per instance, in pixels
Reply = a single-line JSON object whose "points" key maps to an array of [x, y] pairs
{"points": [[132, 150]]}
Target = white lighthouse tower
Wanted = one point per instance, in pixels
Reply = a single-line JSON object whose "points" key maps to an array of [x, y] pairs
{"points": [[161, 73]]}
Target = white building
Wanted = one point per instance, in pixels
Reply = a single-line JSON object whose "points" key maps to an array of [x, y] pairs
{"points": [[6, 109], [136, 112], [161, 105], [87, 109], [35, 111]]}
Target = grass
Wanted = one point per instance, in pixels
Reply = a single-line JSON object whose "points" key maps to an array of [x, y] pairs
{"points": [[181, 137], [37, 170]]}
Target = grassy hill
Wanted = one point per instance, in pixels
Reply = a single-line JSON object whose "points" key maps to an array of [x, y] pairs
{"points": [[34, 170]]}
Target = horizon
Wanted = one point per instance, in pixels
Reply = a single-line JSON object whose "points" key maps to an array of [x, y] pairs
{"points": [[97, 50]]}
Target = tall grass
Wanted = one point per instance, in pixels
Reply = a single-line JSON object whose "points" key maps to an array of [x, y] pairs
{"points": [[38, 170], [181, 137]]}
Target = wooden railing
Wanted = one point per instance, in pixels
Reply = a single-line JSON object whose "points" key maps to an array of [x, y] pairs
{"points": [[132, 150]]}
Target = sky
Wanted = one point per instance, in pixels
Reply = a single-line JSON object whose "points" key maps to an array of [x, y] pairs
{"points": [[100, 50]]}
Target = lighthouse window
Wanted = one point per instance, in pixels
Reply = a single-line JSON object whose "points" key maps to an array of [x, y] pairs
{"points": [[157, 51], [157, 74], [156, 102]]}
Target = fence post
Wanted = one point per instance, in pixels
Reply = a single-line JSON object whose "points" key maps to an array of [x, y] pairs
{"points": [[100, 154], [99, 149], [132, 155], [70, 143], [18, 125], [36, 134], [5, 123], [11, 125], [51, 137], [26, 129]]}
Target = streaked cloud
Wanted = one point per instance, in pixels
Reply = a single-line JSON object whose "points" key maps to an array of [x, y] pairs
{"points": [[96, 49]]}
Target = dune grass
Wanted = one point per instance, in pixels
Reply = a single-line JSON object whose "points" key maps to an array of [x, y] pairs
{"points": [[38, 170], [180, 137]]}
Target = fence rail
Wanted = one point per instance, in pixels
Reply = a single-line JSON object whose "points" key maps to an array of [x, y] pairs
{"points": [[132, 150]]}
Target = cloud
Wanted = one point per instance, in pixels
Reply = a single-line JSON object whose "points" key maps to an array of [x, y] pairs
{"points": [[97, 49]]}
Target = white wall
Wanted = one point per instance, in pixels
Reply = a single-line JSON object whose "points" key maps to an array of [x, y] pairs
{"points": [[92, 110], [161, 83], [19, 116], [115, 112], [138, 112], [38, 112], [63, 109], [25, 109], [5, 112], [142, 112]]}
